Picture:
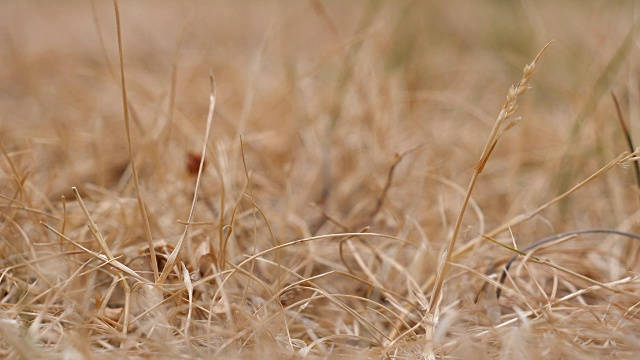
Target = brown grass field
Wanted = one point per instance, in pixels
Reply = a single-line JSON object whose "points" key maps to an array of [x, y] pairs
{"points": [[360, 195]]}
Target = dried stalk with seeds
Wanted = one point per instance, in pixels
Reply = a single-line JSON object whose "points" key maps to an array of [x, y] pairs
{"points": [[499, 129]]}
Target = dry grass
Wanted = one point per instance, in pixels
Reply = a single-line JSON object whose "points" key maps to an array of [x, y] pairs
{"points": [[337, 142]]}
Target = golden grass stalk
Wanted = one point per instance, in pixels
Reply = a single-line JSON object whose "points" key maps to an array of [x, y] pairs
{"points": [[134, 171], [499, 128]]}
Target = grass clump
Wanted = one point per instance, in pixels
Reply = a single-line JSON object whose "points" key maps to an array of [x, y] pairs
{"points": [[308, 202]]}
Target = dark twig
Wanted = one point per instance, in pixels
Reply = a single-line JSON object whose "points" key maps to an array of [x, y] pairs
{"points": [[556, 237], [397, 157]]}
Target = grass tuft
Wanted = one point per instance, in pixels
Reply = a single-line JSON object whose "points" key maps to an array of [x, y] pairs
{"points": [[309, 202]]}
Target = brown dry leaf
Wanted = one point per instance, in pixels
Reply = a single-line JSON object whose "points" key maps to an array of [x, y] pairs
{"points": [[205, 263]]}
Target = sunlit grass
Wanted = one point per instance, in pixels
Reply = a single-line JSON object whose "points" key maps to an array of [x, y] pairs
{"points": [[337, 143]]}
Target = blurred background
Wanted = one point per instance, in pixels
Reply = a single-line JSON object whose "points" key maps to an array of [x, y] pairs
{"points": [[360, 80]]}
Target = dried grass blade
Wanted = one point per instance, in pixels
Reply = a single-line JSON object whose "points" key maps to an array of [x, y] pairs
{"points": [[134, 171], [176, 251]]}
